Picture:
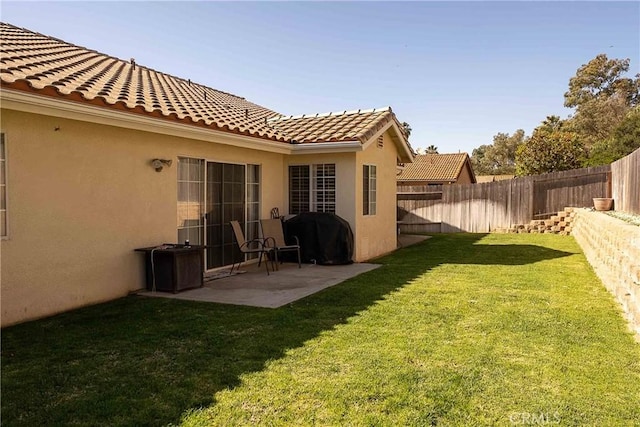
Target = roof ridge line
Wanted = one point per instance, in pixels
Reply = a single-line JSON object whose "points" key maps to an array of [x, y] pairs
{"points": [[331, 113]]}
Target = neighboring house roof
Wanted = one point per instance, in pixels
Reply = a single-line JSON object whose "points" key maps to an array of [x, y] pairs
{"points": [[437, 168], [492, 178], [36, 63]]}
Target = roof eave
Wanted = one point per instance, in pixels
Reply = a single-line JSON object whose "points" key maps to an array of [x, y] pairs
{"points": [[53, 106], [326, 147], [405, 153]]}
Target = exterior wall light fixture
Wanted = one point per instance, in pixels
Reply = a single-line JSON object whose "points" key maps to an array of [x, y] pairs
{"points": [[158, 164]]}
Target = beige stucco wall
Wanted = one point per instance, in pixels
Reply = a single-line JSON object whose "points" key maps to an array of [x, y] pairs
{"points": [[82, 198], [374, 234], [465, 176], [377, 234], [345, 181]]}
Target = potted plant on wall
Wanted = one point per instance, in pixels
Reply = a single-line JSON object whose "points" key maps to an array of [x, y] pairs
{"points": [[602, 203]]}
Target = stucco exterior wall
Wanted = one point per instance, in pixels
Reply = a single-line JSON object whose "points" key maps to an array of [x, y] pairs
{"points": [[377, 234], [374, 234], [82, 197], [465, 176], [345, 181]]}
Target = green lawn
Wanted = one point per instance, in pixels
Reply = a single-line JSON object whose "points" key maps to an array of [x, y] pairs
{"points": [[462, 329]]}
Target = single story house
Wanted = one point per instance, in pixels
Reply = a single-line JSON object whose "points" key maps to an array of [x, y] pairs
{"points": [[100, 156], [436, 169]]}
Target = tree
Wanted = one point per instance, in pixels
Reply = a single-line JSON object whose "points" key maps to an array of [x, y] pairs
{"points": [[602, 78], [552, 123], [552, 147], [602, 97], [597, 119], [626, 137], [497, 158], [432, 149], [406, 128], [478, 161], [624, 141]]}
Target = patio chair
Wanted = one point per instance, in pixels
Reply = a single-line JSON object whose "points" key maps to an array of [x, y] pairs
{"points": [[255, 246], [274, 238]]}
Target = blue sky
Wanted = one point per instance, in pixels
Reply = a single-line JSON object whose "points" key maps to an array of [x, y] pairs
{"points": [[457, 72]]}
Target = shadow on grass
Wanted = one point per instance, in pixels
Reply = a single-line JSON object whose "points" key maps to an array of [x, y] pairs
{"points": [[145, 361]]}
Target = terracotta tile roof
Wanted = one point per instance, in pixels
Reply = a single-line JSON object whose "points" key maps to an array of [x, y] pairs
{"points": [[37, 63], [31, 61], [434, 167], [358, 125]]}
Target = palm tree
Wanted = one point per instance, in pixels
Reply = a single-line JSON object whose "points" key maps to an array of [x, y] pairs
{"points": [[432, 149], [406, 127]]}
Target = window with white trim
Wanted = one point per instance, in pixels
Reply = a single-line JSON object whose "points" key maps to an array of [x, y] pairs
{"points": [[369, 189], [312, 188], [3, 187]]}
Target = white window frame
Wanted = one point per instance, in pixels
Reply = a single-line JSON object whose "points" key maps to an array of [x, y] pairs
{"points": [[369, 189], [322, 191], [201, 197], [300, 192]]}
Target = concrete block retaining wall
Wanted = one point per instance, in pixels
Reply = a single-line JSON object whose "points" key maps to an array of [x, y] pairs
{"points": [[612, 247]]}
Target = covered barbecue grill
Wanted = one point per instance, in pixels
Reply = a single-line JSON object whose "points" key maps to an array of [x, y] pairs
{"points": [[325, 238]]}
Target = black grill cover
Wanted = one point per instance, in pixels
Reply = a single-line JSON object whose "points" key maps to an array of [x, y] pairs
{"points": [[325, 238]]}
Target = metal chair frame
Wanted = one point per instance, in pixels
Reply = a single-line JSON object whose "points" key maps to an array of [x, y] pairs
{"points": [[273, 235], [245, 247]]}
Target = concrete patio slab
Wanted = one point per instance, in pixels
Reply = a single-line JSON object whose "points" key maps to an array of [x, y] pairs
{"points": [[254, 288]]}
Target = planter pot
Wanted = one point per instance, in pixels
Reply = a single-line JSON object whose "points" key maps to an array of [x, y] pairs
{"points": [[602, 203]]}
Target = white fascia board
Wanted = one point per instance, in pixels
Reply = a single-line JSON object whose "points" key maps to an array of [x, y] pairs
{"points": [[326, 147], [376, 135], [38, 104], [403, 150], [408, 155]]}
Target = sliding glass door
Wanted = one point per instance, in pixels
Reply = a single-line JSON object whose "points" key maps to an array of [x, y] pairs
{"points": [[225, 202], [228, 192]]}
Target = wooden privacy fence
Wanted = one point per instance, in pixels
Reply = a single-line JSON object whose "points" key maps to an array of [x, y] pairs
{"points": [[419, 208], [553, 192], [485, 207], [625, 183]]}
